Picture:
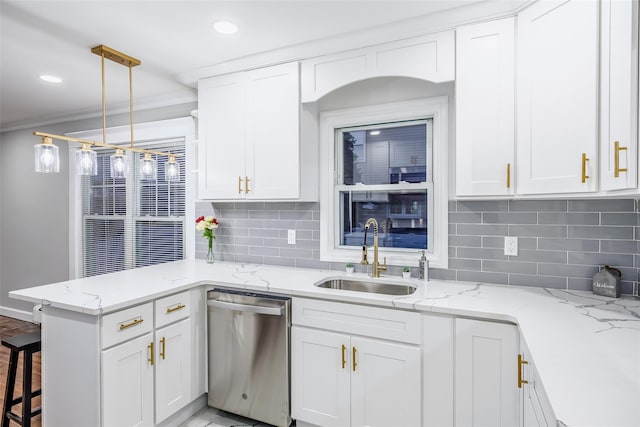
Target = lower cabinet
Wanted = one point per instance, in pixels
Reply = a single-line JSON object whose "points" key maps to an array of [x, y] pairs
{"points": [[173, 373], [470, 372], [341, 380], [354, 365], [486, 374], [127, 389], [155, 369], [536, 409]]}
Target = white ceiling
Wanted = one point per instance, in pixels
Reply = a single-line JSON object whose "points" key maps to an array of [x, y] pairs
{"points": [[173, 39]]}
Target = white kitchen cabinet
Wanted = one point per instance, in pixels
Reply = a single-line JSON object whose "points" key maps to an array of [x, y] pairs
{"points": [[344, 374], [341, 380], [485, 108], [536, 408], [557, 97], [486, 388], [429, 57], [127, 385], [156, 369], [249, 135], [173, 368], [618, 94]]}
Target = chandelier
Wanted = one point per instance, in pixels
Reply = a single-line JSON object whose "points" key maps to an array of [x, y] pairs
{"points": [[47, 159]]}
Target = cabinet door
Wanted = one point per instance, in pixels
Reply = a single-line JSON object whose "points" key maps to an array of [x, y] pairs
{"points": [[320, 370], [619, 95], [385, 384], [173, 373], [273, 140], [127, 384], [557, 95], [221, 137], [536, 411], [485, 104], [486, 388]]}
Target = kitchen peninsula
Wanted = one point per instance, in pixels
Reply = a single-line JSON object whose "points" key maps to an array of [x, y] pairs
{"points": [[586, 348]]}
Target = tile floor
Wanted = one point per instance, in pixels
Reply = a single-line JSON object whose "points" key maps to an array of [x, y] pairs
{"points": [[210, 417]]}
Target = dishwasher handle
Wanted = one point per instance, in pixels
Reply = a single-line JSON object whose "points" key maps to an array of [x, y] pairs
{"points": [[271, 311]]}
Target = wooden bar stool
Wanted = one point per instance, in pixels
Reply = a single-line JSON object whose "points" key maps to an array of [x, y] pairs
{"points": [[29, 344]]}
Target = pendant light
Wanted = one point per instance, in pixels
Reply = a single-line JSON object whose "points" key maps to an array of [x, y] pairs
{"points": [[47, 159], [46, 156], [118, 165], [148, 169], [172, 170], [86, 161]]}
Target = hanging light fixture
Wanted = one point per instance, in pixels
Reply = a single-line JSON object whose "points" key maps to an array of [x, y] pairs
{"points": [[172, 170], [118, 165], [46, 156], [148, 169], [47, 159], [86, 161]]}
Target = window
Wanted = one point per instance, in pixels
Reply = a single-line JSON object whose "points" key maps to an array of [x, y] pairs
{"points": [[127, 223], [131, 222], [386, 162]]}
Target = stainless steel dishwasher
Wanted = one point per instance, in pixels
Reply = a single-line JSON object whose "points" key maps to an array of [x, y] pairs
{"points": [[249, 355]]}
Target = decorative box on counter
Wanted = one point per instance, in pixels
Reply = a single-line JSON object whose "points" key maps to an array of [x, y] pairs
{"points": [[607, 282]]}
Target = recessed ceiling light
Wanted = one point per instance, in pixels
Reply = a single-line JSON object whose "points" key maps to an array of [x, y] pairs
{"points": [[51, 79], [225, 27], [374, 132]]}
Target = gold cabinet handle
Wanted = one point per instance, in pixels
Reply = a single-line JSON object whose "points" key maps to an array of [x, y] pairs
{"points": [[521, 362], [162, 344], [246, 184], [239, 185], [344, 359], [150, 359], [616, 159], [508, 175], [176, 308], [354, 363], [585, 159], [133, 323]]}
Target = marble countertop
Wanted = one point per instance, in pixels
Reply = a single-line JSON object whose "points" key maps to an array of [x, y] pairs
{"points": [[586, 347]]}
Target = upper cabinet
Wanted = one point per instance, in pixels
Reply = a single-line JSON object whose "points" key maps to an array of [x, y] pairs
{"points": [[428, 57], [485, 103], [557, 97], [249, 136], [618, 94]]}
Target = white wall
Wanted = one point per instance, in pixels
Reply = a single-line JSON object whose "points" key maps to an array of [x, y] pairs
{"points": [[34, 225]]}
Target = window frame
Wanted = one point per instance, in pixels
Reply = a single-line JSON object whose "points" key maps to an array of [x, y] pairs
{"points": [[160, 131], [330, 124]]}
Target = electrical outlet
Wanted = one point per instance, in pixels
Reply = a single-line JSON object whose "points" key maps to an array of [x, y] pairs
{"points": [[511, 245], [291, 237]]}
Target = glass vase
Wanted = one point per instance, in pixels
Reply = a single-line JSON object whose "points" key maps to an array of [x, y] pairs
{"points": [[210, 257]]}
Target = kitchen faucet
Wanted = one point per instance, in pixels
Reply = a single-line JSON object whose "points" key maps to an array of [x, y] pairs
{"points": [[376, 268]]}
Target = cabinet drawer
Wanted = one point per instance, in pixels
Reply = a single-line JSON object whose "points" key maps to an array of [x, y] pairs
{"points": [[172, 308], [126, 324], [394, 325]]}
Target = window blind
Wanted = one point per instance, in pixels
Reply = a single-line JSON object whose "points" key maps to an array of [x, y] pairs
{"points": [[130, 222]]}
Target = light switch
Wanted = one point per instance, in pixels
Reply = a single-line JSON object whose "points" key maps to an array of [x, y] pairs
{"points": [[291, 237]]}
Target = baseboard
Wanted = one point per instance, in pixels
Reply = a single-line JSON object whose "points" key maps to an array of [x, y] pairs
{"points": [[185, 413], [27, 316]]}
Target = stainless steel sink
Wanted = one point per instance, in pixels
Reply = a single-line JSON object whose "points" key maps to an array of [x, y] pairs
{"points": [[371, 286]]}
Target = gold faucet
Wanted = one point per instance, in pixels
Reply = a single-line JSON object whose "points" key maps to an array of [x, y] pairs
{"points": [[376, 268]]}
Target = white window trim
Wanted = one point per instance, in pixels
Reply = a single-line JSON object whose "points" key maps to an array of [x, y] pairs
{"points": [[161, 130], [437, 108]]}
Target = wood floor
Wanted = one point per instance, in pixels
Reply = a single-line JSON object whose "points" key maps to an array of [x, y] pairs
{"points": [[8, 328]]}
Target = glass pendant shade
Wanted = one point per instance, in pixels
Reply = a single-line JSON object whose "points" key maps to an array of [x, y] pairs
{"points": [[171, 170], [86, 161], [118, 165], [46, 157], [148, 167]]}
